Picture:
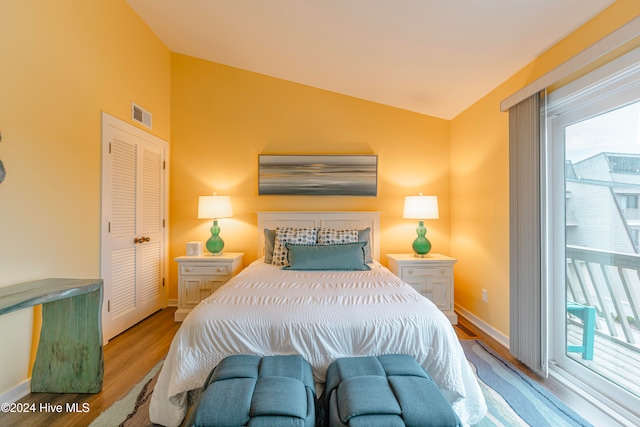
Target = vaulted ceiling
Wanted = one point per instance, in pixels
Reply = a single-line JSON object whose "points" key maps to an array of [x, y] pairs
{"points": [[434, 57]]}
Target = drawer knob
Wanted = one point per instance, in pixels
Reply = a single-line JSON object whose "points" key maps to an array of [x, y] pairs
{"points": [[187, 269], [410, 271]]}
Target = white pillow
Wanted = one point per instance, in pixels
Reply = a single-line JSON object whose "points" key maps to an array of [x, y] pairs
{"points": [[284, 235]]}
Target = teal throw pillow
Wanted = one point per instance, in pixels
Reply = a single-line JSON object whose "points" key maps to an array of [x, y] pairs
{"points": [[345, 256]]}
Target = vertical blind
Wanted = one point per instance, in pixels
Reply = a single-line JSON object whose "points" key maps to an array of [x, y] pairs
{"points": [[525, 337]]}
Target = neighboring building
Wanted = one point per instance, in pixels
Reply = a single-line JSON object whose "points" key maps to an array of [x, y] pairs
{"points": [[603, 202]]}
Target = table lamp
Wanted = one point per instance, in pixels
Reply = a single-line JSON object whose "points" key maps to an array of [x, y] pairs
{"points": [[214, 207], [421, 207]]}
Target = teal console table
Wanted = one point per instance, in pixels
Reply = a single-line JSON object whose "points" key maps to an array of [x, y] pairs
{"points": [[69, 357]]}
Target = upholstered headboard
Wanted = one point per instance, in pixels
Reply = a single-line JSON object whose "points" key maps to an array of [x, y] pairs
{"points": [[344, 220]]}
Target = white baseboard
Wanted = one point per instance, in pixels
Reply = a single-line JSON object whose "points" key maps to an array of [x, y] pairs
{"points": [[172, 303], [16, 393], [483, 326]]}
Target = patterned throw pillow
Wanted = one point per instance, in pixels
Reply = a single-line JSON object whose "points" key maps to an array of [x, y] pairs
{"points": [[284, 235], [331, 236]]}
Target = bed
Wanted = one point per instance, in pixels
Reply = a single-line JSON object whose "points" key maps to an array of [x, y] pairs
{"points": [[322, 315]]}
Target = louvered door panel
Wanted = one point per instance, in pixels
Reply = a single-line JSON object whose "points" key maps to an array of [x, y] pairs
{"points": [[150, 278], [151, 221], [150, 273], [123, 293], [124, 157]]}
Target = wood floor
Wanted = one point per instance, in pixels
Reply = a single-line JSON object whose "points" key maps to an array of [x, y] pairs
{"points": [[129, 356], [127, 359]]}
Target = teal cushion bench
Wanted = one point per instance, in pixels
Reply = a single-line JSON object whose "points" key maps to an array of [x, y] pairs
{"points": [[255, 391], [384, 391]]}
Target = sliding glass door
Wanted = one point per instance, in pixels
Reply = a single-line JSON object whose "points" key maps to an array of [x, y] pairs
{"points": [[594, 235]]}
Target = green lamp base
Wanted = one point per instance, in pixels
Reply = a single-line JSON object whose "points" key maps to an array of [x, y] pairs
{"points": [[215, 244], [422, 245]]}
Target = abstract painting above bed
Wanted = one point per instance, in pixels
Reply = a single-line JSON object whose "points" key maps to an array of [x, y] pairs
{"points": [[318, 175]]}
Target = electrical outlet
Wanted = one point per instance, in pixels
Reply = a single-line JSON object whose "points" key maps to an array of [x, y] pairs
{"points": [[485, 295]]}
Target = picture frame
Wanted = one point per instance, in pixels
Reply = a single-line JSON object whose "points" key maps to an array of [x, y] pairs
{"points": [[318, 175], [194, 249]]}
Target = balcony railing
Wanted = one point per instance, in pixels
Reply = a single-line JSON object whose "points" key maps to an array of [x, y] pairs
{"points": [[610, 282]]}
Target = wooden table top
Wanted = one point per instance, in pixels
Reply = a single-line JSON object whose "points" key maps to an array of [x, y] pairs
{"points": [[28, 294]]}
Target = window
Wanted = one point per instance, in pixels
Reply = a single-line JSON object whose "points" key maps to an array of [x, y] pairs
{"points": [[593, 164], [628, 201], [635, 234]]}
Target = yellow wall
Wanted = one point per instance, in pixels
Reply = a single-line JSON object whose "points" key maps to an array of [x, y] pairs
{"points": [[63, 63], [480, 173], [222, 118]]}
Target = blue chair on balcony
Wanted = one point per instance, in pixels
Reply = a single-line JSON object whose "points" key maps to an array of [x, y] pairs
{"points": [[588, 316]]}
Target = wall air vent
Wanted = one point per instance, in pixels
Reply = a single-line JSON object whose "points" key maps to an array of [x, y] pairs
{"points": [[140, 115]]}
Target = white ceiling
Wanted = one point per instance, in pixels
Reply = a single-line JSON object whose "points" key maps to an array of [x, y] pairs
{"points": [[434, 57]]}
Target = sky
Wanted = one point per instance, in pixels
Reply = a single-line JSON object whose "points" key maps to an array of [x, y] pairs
{"points": [[617, 131]]}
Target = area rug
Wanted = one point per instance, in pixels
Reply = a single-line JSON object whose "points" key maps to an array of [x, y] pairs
{"points": [[133, 409], [513, 399]]}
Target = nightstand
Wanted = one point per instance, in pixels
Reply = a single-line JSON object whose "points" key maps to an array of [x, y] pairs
{"points": [[200, 276], [432, 276]]}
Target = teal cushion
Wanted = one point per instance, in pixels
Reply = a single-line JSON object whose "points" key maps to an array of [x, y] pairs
{"points": [[224, 403], [254, 391], [240, 366], [366, 395], [269, 244], [421, 399], [377, 420], [277, 421], [401, 364], [385, 391], [347, 367], [347, 256], [291, 366], [364, 235], [279, 396]]}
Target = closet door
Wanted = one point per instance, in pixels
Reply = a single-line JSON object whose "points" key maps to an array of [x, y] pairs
{"points": [[134, 232], [150, 226]]}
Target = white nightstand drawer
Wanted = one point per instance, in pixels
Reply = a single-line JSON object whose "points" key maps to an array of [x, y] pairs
{"points": [[431, 276], [201, 275], [424, 271], [209, 270]]}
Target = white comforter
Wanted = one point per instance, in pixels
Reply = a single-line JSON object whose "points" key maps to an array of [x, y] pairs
{"points": [[321, 316]]}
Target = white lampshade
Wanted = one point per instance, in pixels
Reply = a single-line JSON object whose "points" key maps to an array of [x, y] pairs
{"points": [[214, 207], [421, 207]]}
